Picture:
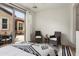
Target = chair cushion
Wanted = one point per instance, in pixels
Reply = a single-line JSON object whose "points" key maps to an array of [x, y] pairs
{"points": [[3, 40], [38, 37], [7, 39], [55, 39]]}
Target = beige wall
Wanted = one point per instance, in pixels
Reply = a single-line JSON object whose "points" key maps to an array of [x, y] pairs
{"points": [[10, 24]]}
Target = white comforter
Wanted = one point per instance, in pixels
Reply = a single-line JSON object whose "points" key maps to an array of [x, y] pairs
{"points": [[12, 51], [38, 48], [45, 52]]}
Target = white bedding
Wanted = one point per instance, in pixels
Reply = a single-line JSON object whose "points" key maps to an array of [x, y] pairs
{"points": [[12, 51], [38, 48], [44, 52]]}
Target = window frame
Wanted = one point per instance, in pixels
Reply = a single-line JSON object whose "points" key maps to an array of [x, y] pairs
{"points": [[7, 23], [20, 27]]}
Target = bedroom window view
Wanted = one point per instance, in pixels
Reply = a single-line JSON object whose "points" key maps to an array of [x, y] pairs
{"points": [[37, 29]]}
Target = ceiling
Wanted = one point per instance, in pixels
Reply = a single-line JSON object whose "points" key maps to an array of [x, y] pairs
{"points": [[43, 6]]}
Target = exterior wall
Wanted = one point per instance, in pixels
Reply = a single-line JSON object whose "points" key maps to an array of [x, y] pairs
{"points": [[20, 31], [10, 24]]}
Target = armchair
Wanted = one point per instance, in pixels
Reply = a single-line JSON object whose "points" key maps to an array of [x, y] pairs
{"points": [[38, 37], [55, 39]]}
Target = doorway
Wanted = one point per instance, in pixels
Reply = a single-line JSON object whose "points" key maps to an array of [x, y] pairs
{"points": [[19, 26]]}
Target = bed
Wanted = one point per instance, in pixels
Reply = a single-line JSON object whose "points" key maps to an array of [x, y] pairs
{"points": [[27, 50], [13, 51], [44, 49]]}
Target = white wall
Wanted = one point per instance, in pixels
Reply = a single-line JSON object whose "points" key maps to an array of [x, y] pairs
{"points": [[73, 24], [29, 27], [77, 18], [77, 43], [55, 19]]}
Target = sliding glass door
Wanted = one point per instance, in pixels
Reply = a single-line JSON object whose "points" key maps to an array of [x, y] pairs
{"points": [[19, 26], [12, 23]]}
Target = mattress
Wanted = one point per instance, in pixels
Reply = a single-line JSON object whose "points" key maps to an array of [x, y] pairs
{"points": [[13, 51]]}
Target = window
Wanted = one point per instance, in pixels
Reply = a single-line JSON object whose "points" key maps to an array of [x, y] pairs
{"points": [[19, 14], [4, 23], [20, 26]]}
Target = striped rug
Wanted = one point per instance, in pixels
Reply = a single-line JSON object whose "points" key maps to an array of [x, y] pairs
{"points": [[66, 51]]}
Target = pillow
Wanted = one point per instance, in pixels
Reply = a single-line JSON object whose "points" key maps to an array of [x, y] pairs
{"points": [[55, 39]]}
